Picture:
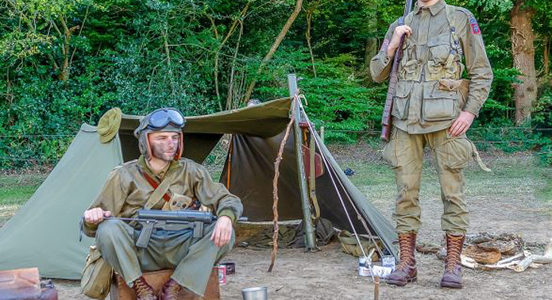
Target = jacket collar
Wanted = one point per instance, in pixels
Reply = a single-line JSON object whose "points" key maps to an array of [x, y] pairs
{"points": [[434, 9], [144, 166]]}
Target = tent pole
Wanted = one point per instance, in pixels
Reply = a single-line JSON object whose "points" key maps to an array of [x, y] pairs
{"points": [[310, 242]]}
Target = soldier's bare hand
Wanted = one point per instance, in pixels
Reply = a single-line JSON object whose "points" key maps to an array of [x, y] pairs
{"points": [[222, 232], [396, 39], [96, 215], [461, 124]]}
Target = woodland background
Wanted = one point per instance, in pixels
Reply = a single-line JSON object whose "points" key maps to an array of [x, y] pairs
{"points": [[64, 62]]}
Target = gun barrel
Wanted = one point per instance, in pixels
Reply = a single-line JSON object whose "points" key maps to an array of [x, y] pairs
{"points": [[177, 215]]}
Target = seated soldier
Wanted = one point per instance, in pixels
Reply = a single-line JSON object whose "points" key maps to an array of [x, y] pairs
{"points": [[129, 188]]}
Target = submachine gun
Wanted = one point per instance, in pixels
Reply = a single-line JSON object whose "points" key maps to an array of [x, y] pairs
{"points": [[386, 118], [153, 218]]}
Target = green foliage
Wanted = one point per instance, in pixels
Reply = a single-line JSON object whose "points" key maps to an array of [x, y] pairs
{"points": [[542, 112], [336, 97], [67, 62], [504, 136]]}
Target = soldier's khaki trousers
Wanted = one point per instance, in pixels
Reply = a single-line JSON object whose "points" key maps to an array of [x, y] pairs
{"points": [[405, 153], [191, 258]]}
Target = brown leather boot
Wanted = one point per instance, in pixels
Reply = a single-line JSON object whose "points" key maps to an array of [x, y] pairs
{"points": [[143, 290], [452, 277], [174, 291], [406, 271]]}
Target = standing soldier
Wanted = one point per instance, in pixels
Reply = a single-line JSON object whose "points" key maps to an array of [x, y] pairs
{"points": [[433, 107]]}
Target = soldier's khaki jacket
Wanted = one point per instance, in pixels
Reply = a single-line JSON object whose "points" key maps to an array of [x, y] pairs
{"points": [[126, 190], [445, 41]]}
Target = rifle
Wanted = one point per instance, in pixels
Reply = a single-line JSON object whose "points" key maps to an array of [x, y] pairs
{"points": [[187, 218], [393, 79]]}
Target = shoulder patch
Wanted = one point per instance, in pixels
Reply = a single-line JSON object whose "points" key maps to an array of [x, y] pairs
{"points": [[474, 26]]}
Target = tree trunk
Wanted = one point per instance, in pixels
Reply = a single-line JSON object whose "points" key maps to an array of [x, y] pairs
{"points": [[275, 46], [371, 47], [523, 52], [370, 50]]}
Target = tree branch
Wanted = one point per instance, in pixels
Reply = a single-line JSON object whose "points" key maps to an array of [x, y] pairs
{"points": [[274, 47], [217, 54], [231, 83]]}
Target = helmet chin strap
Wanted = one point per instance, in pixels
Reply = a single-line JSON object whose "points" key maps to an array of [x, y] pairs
{"points": [[148, 148], [180, 149]]}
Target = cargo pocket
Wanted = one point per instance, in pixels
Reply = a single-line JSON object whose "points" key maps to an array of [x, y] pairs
{"points": [[439, 48], [439, 53], [460, 85], [401, 100], [397, 152], [409, 66], [455, 153], [410, 70], [438, 105], [389, 153]]}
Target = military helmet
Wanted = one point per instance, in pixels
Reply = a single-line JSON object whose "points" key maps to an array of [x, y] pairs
{"points": [[162, 119]]}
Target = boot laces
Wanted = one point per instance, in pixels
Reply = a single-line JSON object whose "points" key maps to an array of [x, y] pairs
{"points": [[171, 290], [143, 289], [406, 251], [454, 249]]}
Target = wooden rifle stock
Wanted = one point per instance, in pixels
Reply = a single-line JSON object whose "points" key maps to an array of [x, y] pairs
{"points": [[386, 118]]}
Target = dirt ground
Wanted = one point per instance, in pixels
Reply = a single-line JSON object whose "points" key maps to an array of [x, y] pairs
{"points": [[502, 202]]}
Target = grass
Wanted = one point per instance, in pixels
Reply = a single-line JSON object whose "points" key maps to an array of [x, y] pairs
{"points": [[545, 192], [17, 189], [512, 173]]}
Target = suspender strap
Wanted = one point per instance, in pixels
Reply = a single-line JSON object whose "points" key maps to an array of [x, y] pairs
{"points": [[455, 42]]}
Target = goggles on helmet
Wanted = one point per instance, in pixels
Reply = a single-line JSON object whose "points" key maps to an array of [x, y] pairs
{"points": [[164, 116]]}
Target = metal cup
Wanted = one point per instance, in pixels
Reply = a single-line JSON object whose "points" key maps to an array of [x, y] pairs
{"points": [[255, 293]]}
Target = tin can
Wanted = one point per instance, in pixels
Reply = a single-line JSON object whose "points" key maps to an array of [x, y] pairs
{"points": [[230, 267], [221, 274], [381, 272], [362, 261], [388, 261], [364, 271], [364, 266]]}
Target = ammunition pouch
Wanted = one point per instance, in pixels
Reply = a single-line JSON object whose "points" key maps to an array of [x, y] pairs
{"points": [[460, 85], [96, 275], [401, 100]]}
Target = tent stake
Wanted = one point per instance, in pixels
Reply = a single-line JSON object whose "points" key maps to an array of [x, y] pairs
{"points": [[310, 243], [376, 287]]}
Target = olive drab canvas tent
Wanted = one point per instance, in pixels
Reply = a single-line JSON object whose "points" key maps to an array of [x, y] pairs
{"points": [[45, 231]]}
